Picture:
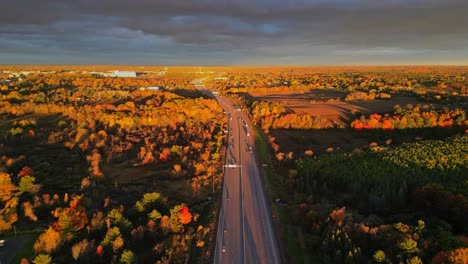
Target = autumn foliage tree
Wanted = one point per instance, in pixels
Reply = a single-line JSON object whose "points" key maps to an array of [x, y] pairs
{"points": [[413, 118], [185, 216], [48, 241], [71, 219]]}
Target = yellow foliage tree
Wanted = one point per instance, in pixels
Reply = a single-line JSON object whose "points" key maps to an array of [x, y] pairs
{"points": [[48, 241], [6, 187], [458, 256]]}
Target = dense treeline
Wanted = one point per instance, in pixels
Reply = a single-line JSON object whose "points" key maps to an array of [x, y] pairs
{"points": [[273, 115], [409, 117], [427, 177], [115, 173], [170, 140], [385, 172], [427, 83], [120, 235]]}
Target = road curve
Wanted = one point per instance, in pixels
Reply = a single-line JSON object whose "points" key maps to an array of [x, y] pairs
{"points": [[245, 232]]}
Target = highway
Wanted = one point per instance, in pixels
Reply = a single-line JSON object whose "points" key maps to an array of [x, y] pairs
{"points": [[244, 232]]}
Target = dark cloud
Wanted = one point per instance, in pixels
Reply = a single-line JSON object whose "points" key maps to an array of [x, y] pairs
{"points": [[34, 12], [306, 31]]}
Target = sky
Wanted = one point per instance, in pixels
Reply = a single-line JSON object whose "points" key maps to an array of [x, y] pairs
{"points": [[234, 32]]}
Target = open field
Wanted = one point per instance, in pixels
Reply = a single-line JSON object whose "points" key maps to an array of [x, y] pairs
{"points": [[130, 181], [327, 104]]}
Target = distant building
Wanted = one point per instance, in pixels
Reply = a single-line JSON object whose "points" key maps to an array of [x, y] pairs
{"points": [[14, 75], [150, 88], [124, 74], [153, 88]]}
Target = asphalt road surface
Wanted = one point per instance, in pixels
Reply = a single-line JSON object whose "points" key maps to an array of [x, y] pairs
{"points": [[244, 233]]}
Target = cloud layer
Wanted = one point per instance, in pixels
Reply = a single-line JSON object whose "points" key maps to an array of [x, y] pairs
{"points": [[234, 32]]}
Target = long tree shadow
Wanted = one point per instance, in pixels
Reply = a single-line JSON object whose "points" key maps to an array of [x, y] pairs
{"points": [[348, 139]]}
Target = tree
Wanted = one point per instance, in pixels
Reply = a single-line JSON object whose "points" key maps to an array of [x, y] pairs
{"points": [[8, 215], [85, 183], [72, 219], [128, 257], [95, 159], [99, 251], [80, 249], [48, 241], [409, 246], [379, 256], [113, 240], [185, 216], [165, 224], [42, 259], [176, 225], [149, 158], [6, 187], [96, 223], [26, 184], [117, 244], [148, 201], [29, 211], [458, 256], [177, 169], [26, 171], [117, 219], [414, 260], [279, 157], [154, 215]]}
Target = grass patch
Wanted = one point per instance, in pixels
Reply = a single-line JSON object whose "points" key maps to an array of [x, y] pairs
{"points": [[293, 248], [288, 238], [262, 146], [125, 174], [298, 139], [57, 168], [26, 250], [150, 178], [272, 182]]}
